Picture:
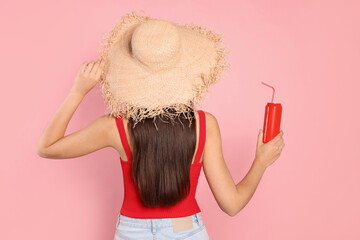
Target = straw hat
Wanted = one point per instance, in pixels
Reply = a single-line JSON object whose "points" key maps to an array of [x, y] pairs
{"points": [[153, 66]]}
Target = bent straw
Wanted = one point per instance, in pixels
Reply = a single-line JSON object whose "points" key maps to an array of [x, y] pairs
{"points": [[272, 100]]}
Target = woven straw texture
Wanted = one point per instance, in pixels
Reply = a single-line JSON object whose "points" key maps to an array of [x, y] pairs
{"points": [[138, 84]]}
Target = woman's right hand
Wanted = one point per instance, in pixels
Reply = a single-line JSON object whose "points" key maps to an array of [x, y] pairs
{"points": [[267, 153]]}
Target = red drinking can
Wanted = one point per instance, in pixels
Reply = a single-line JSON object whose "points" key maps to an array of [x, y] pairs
{"points": [[272, 121]]}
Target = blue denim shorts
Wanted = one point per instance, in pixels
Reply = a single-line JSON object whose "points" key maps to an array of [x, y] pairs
{"points": [[128, 228]]}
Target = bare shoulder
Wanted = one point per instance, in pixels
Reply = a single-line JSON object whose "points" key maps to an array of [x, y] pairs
{"points": [[213, 138], [211, 123], [108, 124]]}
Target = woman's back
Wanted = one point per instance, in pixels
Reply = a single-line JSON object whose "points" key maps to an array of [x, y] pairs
{"points": [[158, 191]]}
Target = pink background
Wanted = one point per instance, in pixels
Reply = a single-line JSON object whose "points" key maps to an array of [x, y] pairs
{"points": [[308, 50]]}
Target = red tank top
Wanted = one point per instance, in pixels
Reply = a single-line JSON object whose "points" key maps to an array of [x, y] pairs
{"points": [[132, 205]]}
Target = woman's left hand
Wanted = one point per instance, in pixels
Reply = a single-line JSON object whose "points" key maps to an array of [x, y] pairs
{"points": [[87, 77]]}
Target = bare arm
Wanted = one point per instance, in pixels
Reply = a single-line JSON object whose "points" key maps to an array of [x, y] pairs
{"points": [[215, 169], [247, 186], [53, 144], [231, 198], [56, 127]]}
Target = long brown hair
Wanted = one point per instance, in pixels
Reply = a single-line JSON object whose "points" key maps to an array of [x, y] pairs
{"points": [[162, 157]]}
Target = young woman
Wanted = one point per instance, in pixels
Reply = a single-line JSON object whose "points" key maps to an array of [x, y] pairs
{"points": [[161, 157]]}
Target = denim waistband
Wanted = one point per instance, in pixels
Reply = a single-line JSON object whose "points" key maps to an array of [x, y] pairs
{"points": [[153, 222]]}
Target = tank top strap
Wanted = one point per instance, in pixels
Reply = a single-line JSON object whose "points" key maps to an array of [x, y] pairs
{"points": [[124, 141], [202, 136]]}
